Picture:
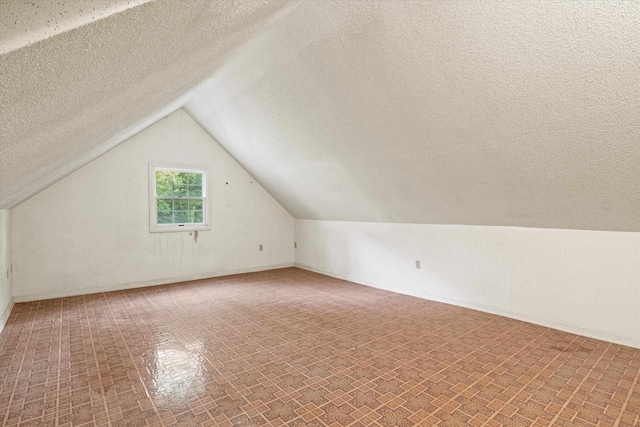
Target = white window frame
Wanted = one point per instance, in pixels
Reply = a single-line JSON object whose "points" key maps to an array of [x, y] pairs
{"points": [[154, 227]]}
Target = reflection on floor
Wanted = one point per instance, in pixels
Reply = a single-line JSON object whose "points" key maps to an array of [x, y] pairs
{"points": [[290, 347]]}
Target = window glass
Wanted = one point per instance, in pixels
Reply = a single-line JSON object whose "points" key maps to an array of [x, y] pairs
{"points": [[179, 197]]}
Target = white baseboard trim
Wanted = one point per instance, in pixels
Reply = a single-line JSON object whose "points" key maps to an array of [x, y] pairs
{"points": [[600, 335], [6, 314], [144, 284]]}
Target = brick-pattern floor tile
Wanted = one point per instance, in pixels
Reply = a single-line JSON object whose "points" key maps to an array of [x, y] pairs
{"points": [[293, 348]]}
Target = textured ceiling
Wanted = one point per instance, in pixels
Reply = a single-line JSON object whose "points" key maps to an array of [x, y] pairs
{"points": [[523, 113], [26, 22], [77, 77]]}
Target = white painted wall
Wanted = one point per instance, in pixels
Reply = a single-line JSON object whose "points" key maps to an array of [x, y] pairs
{"points": [[90, 231], [6, 291], [586, 282]]}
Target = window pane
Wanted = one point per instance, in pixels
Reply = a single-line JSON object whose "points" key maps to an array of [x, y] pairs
{"points": [[164, 205], [181, 216], [164, 183], [195, 205], [181, 178], [195, 191], [179, 197], [165, 218], [195, 179], [181, 205], [180, 190]]}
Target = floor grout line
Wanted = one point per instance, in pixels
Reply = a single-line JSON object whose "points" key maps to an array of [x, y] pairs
{"points": [[15, 384], [426, 379], [626, 401], [140, 377], [57, 418], [566, 403], [97, 365], [529, 382]]}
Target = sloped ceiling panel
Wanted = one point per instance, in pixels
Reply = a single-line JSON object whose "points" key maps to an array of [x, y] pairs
{"points": [[26, 22], [75, 77], [483, 112]]}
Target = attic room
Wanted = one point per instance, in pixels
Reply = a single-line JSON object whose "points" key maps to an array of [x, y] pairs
{"points": [[320, 213]]}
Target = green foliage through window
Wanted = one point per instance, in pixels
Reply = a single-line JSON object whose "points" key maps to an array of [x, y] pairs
{"points": [[179, 197]]}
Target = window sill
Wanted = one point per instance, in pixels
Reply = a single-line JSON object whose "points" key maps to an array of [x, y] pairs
{"points": [[177, 229]]}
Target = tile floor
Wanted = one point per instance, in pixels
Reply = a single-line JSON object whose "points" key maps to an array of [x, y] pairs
{"points": [[290, 347]]}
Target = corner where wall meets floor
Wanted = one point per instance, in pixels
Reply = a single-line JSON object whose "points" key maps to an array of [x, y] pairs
{"points": [[584, 282], [89, 232], [6, 287]]}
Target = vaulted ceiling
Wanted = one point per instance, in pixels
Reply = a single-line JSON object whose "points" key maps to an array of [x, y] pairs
{"points": [[480, 112], [79, 76]]}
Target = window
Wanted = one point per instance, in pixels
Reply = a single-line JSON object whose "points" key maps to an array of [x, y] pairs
{"points": [[178, 198]]}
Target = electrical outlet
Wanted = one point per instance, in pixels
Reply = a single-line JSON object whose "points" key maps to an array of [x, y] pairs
{"points": [[417, 264], [260, 247], [295, 245]]}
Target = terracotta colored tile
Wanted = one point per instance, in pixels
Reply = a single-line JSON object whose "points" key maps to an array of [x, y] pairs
{"points": [[293, 348]]}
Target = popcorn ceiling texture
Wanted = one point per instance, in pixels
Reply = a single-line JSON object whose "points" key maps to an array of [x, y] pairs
{"points": [[26, 22], [523, 113], [63, 98]]}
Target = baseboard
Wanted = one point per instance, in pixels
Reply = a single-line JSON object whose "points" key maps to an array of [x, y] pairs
{"points": [[600, 335], [144, 284], [5, 314]]}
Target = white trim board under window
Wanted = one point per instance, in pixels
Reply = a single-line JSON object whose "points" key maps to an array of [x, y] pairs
{"points": [[178, 198]]}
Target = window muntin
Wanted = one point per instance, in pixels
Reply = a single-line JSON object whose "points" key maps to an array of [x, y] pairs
{"points": [[178, 198]]}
